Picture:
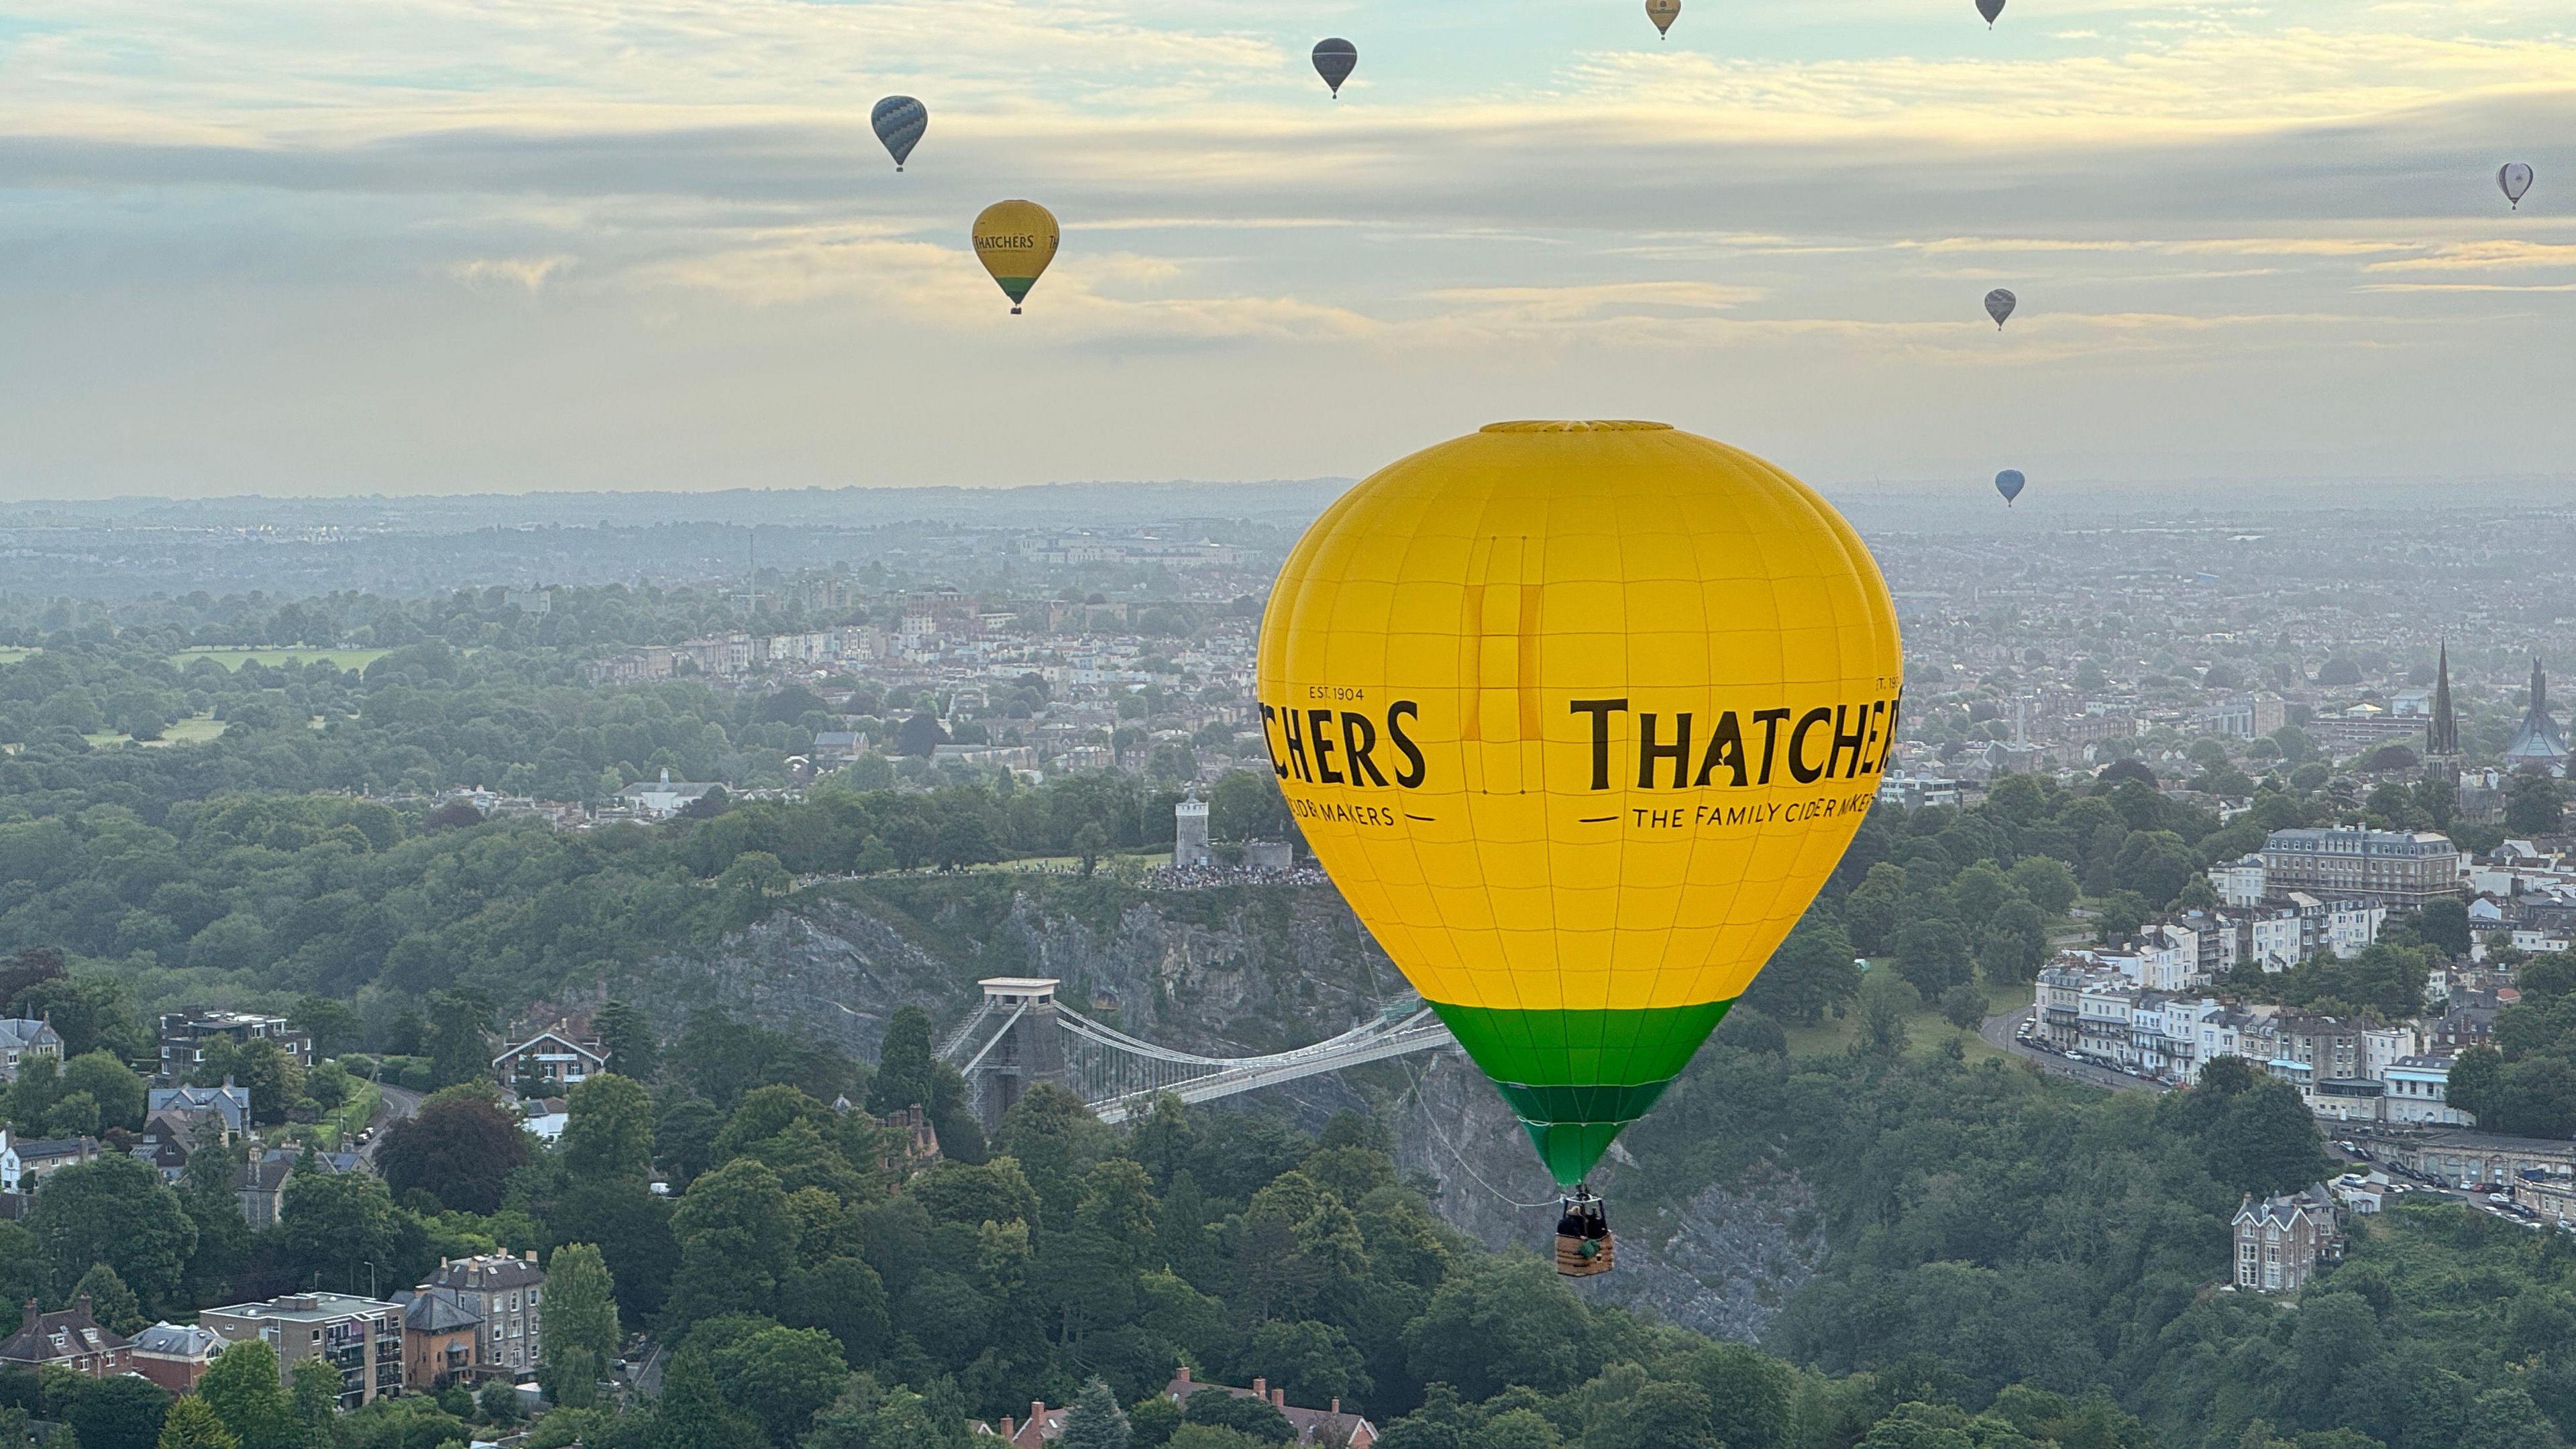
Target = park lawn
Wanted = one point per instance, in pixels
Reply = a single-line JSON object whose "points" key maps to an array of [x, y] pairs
{"points": [[194, 730], [1925, 1030], [236, 658]]}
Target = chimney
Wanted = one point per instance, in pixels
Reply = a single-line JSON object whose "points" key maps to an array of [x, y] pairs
{"points": [[1037, 1411], [1278, 1398], [1337, 1403], [1010, 1431], [1261, 1388], [1183, 1374], [532, 1255]]}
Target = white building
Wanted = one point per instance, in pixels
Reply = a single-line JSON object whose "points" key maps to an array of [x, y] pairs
{"points": [[2238, 882], [2417, 1087]]}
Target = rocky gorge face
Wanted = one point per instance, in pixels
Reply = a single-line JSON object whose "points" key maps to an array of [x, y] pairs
{"points": [[1235, 971]]}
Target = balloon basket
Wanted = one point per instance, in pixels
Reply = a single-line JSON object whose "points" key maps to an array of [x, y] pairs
{"points": [[1584, 1246]]}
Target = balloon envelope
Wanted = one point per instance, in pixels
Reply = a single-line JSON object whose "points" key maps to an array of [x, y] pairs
{"points": [[2515, 179], [1579, 716], [2009, 483], [1335, 59], [1990, 9], [1663, 13], [899, 122], [2000, 304], [1015, 240]]}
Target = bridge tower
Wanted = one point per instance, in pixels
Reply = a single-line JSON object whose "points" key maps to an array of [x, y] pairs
{"points": [[1190, 832], [1029, 1048]]}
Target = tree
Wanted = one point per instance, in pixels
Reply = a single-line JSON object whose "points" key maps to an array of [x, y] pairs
{"points": [[334, 1225], [273, 1078], [2537, 1099], [579, 1331], [117, 1211], [2045, 881], [1963, 1006], [2534, 804], [191, 1425], [1095, 1421], [919, 734], [1500, 1322], [1812, 973], [903, 1063], [737, 1243], [460, 1147], [1933, 955], [313, 1402], [2444, 924], [781, 1376], [1887, 1002], [626, 1034], [111, 1084], [2476, 1083], [110, 1301], [118, 1413], [460, 1048], [242, 1389], [1089, 844], [2121, 915], [608, 1130], [2015, 944], [2266, 1142]]}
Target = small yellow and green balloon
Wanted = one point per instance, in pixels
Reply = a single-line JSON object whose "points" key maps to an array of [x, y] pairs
{"points": [[1579, 716], [1015, 240]]}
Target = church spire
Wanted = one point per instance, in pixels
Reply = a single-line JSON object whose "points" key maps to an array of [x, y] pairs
{"points": [[2442, 736]]}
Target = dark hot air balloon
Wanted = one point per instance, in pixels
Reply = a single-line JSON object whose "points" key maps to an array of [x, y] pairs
{"points": [[2009, 483], [1990, 9], [2515, 179], [899, 122], [1335, 59], [1999, 305]]}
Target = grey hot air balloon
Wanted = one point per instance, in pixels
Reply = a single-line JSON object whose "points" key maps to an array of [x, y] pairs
{"points": [[2515, 178], [1990, 9], [1335, 58], [1999, 305], [2009, 483], [900, 120]]}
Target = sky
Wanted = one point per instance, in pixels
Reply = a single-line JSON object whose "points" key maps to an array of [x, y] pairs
{"points": [[312, 247]]}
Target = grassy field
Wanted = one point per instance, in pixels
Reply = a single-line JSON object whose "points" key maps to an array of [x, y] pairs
{"points": [[236, 658], [1925, 1031], [195, 730]]}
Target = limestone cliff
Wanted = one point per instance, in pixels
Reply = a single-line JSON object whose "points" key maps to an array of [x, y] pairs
{"points": [[1234, 970]]}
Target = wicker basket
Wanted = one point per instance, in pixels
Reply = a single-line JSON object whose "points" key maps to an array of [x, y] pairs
{"points": [[1574, 1262]]}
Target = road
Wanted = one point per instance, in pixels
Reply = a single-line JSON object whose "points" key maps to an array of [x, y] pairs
{"points": [[396, 1104], [1998, 1033]]}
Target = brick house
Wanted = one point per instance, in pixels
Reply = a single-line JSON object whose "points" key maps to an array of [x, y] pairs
{"points": [[440, 1331], [2281, 1240], [67, 1339], [175, 1355], [1328, 1426]]}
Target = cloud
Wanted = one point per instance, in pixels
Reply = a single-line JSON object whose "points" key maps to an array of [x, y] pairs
{"points": [[526, 273]]}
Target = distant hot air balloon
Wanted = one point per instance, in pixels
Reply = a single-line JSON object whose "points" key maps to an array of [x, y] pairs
{"points": [[1015, 240], [899, 122], [1999, 305], [1990, 9], [1579, 716], [1335, 58], [1663, 13], [2515, 178], [2009, 483]]}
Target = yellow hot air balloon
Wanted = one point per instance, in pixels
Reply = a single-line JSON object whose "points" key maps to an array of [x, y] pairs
{"points": [[1579, 716], [1015, 240], [1663, 13]]}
